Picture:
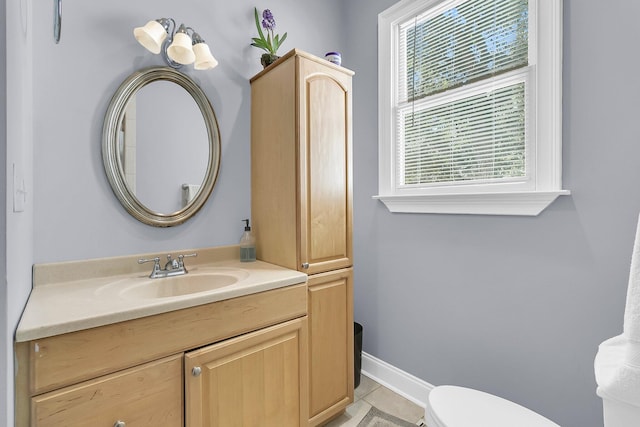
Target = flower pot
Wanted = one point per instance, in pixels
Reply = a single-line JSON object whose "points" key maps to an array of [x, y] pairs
{"points": [[267, 59]]}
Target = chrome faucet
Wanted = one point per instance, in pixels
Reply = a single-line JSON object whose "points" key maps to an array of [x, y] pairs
{"points": [[173, 267]]}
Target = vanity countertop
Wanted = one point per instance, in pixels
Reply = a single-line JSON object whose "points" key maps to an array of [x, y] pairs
{"points": [[71, 296]]}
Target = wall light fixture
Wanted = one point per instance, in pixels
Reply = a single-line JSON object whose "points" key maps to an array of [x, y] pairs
{"points": [[178, 48]]}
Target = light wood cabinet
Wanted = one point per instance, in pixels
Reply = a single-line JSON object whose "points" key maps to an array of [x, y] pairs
{"points": [[301, 164], [330, 344], [133, 371], [302, 206], [147, 395], [258, 379]]}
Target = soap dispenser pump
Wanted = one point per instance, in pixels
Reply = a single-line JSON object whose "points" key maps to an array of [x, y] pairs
{"points": [[247, 244]]}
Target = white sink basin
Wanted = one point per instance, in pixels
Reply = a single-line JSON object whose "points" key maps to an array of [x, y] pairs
{"points": [[197, 282], [178, 286]]}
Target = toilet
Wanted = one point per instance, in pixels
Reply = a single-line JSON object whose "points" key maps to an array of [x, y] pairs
{"points": [[452, 406]]}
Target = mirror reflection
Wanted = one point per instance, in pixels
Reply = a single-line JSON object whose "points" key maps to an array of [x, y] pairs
{"points": [[161, 146]]}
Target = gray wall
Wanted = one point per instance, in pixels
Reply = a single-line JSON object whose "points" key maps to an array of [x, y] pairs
{"points": [[77, 215], [513, 306], [5, 334], [19, 152]]}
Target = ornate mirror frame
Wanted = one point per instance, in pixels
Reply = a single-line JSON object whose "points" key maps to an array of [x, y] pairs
{"points": [[110, 150]]}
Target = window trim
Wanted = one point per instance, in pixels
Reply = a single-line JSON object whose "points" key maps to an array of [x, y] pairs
{"points": [[545, 24]]}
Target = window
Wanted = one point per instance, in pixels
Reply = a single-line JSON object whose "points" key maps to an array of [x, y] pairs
{"points": [[470, 106]]}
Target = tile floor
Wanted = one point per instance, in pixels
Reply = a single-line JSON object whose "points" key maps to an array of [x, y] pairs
{"points": [[369, 393]]}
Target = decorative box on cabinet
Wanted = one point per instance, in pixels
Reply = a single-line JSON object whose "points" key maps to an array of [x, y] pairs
{"points": [[302, 206]]}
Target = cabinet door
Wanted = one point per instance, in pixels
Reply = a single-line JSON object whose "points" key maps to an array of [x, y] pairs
{"points": [[149, 395], [258, 379], [330, 315], [325, 167]]}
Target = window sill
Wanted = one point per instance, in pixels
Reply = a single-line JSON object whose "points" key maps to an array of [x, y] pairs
{"points": [[529, 203]]}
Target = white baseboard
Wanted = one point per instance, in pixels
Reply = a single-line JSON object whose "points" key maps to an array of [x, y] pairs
{"points": [[401, 382]]}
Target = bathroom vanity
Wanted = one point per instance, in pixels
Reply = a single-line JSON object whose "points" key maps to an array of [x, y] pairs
{"points": [[266, 343], [101, 344]]}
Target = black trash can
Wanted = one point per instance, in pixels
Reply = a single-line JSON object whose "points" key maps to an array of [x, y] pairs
{"points": [[357, 353]]}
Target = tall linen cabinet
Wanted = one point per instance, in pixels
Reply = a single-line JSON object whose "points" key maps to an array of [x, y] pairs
{"points": [[302, 207]]}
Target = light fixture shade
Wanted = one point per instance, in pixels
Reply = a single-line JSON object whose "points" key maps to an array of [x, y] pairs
{"points": [[180, 50], [151, 36], [204, 58]]}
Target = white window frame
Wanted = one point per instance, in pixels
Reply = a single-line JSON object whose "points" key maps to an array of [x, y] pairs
{"points": [[543, 183]]}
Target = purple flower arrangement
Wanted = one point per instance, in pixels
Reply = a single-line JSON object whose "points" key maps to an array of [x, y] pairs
{"points": [[272, 41], [268, 22]]}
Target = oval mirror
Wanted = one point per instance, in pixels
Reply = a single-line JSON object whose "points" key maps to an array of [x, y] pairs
{"points": [[161, 146]]}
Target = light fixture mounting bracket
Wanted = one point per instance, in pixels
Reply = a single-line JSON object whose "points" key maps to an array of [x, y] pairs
{"points": [[57, 20]]}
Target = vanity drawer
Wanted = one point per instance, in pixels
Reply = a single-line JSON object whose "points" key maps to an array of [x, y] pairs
{"points": [[147, 395]]}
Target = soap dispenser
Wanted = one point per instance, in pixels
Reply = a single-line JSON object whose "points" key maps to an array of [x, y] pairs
{"points": [[247, 244]]}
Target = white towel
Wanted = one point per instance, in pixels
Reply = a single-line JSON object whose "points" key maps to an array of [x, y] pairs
{"points": [[617, 379], [189, 191], [631, 328], [617, 364]]}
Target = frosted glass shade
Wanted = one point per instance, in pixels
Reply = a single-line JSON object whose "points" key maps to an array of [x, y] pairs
{"points": [[151, 36], [204, 58], [180, 50]]}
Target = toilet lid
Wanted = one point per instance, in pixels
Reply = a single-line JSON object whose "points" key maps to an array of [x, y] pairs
{"points": [[452, 406]]}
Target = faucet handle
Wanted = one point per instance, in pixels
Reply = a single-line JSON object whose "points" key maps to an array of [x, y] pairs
{"points": [[182, 257], [156, 260], [156, 265]]}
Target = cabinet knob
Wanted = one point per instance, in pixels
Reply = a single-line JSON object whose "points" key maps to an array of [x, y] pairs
{"points": [[305, 265], [196, 371], [120, 424]]}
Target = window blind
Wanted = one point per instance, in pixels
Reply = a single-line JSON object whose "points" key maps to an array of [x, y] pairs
{"points": [[480, 137], [474, 40]]}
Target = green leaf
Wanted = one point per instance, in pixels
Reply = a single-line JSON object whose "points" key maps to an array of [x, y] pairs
{"points": [[259, 43], [255, 12], [260, 47], [269, 45], [284, 36]]}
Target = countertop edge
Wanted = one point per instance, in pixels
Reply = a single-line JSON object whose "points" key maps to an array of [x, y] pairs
{"points": [[49, 311], [50, 330]]}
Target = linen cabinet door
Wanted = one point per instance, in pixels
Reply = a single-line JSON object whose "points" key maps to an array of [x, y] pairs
{"points": [[330, 305], [258, 379], [149, 395], [325, 167]]}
